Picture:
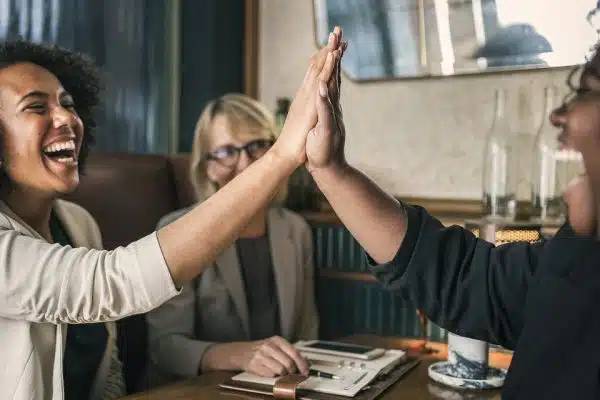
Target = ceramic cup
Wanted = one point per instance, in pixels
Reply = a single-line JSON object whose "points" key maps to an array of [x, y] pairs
{"points": [[468, 357]]}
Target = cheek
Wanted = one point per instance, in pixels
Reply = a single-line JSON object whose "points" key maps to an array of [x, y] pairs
{"points": [[219, 174], [77, 124], [584, 123], [21, 140]]}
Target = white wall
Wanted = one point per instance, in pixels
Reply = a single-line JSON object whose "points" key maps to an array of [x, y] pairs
{"points": [[420, 138]]}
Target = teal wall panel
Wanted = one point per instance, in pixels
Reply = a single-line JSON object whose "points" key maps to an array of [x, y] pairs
{"points": [[349, 307]]}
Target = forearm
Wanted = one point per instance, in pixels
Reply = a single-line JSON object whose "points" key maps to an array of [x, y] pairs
{"points": [[224, 357], [192, 243], [375, 219]]}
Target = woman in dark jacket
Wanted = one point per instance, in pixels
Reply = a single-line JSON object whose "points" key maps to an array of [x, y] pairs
{"points": [[543, 300]]}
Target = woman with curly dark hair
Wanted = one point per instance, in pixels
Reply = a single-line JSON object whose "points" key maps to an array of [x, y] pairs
{"points": [[539, 299], [59, 291]]}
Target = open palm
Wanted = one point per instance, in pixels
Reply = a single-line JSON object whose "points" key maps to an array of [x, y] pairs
{"points": [[325, 143]]}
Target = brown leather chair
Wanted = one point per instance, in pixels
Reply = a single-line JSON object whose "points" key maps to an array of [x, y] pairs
{"points": [[127, 194]]}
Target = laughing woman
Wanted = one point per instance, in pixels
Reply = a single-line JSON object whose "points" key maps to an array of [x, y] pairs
{"points": [[59, 292]]}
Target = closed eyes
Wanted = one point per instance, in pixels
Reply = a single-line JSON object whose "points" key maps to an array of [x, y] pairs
{"points": [[41, 108]]}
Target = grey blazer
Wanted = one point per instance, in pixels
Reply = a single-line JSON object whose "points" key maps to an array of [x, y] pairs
{"points": [[212, 308]]}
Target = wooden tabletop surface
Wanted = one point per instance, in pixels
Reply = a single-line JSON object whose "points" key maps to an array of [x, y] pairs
{"points": [[415, 385]]}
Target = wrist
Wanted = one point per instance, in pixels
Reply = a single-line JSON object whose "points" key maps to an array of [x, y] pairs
{"points": [[222, 357], [207, 362], [330, 174], [283, 160]]}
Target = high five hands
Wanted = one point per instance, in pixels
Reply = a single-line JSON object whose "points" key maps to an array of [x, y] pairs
{"points": [[325, 142], [316, 99]]}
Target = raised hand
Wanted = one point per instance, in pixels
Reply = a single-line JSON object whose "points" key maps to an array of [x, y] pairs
{"points": [[302, 115], [325, 143]]}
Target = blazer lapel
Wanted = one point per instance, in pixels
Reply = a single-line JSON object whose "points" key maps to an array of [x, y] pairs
{"points": [[228, 266], [284, 259], [20, 225], [76, 235], [71, 225]]}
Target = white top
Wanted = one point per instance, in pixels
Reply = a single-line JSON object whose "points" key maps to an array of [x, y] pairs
{"points": [[44, 287]]}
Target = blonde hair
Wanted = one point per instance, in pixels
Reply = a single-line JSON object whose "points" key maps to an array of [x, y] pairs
{"points": [[240, 111]]}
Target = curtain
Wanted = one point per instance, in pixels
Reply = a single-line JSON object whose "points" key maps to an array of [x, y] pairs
{"points": [[128, 40]]}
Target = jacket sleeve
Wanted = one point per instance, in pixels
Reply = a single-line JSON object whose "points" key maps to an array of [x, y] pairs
{"points": [[309, 321], [42, 282], [462, 283], [114, 385], [173, 346], [174, 349]]}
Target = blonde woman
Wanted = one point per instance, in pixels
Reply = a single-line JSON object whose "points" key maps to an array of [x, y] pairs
{"points": [[243, 313]]}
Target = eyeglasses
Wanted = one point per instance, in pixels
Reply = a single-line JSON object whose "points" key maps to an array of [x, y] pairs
{"points": [[229, 155]]}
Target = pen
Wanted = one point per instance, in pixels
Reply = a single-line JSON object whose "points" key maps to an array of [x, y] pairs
{"points": [[322, 374]]}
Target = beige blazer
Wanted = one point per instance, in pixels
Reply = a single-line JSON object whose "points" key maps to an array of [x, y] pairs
{"points": [[44, 287], [213, 307]]}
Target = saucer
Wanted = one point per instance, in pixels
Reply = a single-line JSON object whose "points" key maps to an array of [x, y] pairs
{"points": [[440, 372]]}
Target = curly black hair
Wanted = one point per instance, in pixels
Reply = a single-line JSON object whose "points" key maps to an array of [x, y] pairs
{"points": [[76, 72]]}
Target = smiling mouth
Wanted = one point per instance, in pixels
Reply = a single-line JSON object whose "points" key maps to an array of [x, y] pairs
{"points": [[562, 140], [62, 152]]}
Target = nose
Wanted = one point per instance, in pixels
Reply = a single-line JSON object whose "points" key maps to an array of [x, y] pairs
{"points": [[61, 117], [558, 117], [244, 161]]}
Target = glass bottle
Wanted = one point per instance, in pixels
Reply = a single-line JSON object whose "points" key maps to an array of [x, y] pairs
{"points": [[283, 106], [500, 166], [554, 167]]}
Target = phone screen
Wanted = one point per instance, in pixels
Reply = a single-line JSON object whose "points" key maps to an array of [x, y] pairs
{"points": [[346, 348]]}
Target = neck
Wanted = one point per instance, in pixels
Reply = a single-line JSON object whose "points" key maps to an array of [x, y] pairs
{"points": [[257, 226], [32, 208]]}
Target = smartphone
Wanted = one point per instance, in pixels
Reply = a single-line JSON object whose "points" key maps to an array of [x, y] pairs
{"points": [[340, 349]]}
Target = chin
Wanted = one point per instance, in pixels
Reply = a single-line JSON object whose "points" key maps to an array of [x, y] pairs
{"points": [[67, 186]]}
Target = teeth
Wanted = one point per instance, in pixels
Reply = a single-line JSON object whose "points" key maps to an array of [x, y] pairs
{"points": [[568, 155], [68, 145], [67, 160]]}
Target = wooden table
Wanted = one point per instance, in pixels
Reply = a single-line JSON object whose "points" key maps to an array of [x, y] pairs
{"points": [[415, 385]]}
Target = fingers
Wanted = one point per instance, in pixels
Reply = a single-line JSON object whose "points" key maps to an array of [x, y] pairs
{"points": [[338, 74], [320, 58], [329, 66], [324, 112], [263, 365], [334, 83], [276, 357], [335, 39], [300, 363]]}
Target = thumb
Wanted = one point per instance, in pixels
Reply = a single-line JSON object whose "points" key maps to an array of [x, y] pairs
{"points": [[324, 112]]}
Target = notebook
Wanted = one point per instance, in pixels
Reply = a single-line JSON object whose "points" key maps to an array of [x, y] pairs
{"points": [[354, 374], [370, 392]]}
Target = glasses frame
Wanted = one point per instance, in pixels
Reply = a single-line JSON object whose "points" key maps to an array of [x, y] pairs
{"points": [[266, 144]]}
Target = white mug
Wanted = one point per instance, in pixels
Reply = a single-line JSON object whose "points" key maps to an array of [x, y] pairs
{"points": [[468, 357]]}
